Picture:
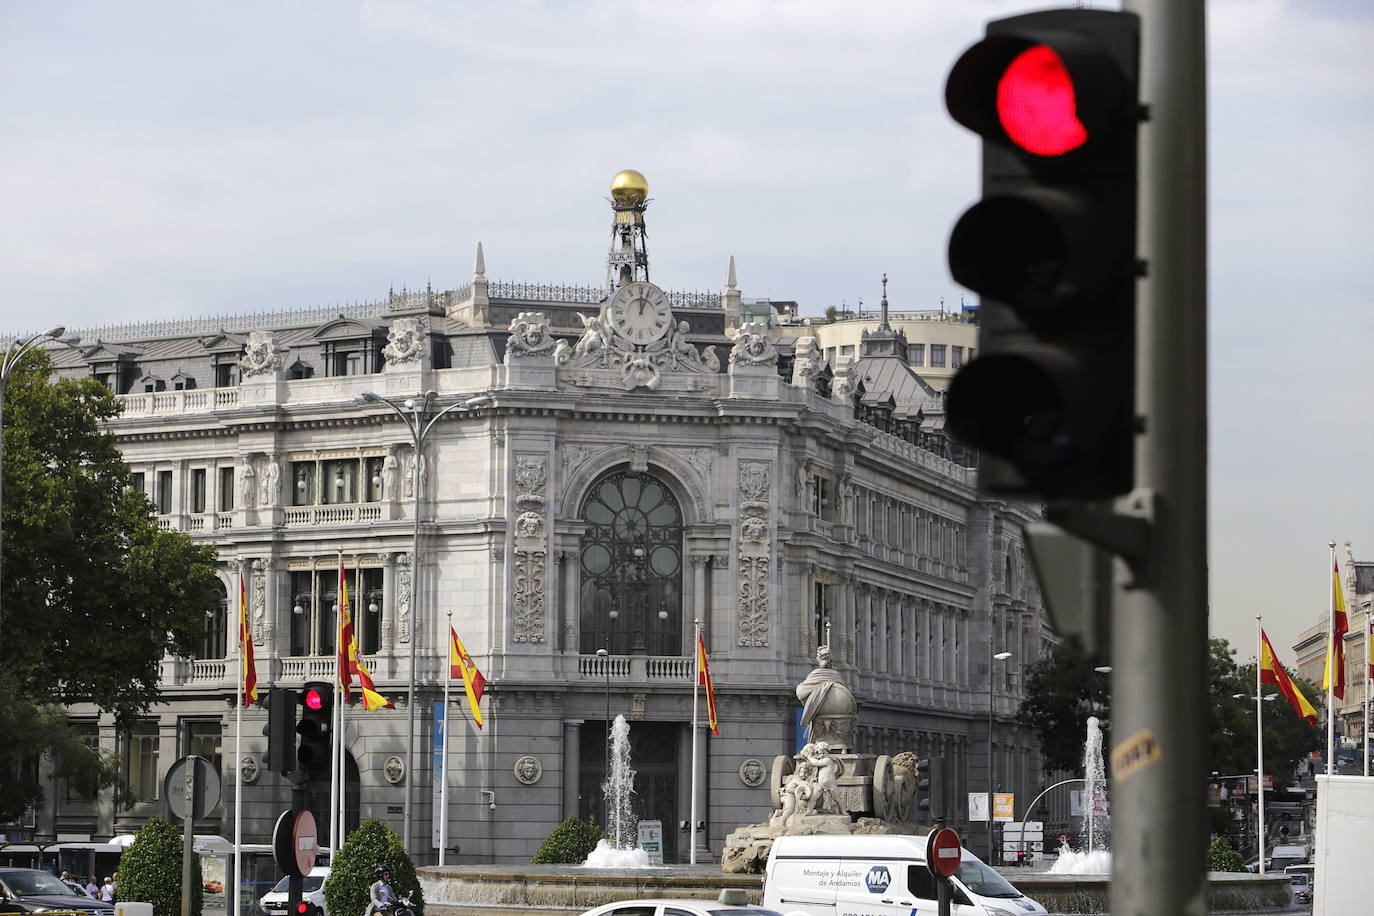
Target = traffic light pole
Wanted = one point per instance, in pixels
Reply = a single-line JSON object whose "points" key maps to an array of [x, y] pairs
{"points": [[1159, 639]]}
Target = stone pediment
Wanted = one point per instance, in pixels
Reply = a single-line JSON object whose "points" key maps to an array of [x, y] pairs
{"points": [[345, 328], [603, 358], [100, 352], [223, 342]]}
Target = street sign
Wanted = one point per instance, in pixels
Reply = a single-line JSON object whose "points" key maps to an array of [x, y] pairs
{"points": [[651, 840], [978, 806], [295, 842], [1004, 806], [943, 852], [203, 793]]}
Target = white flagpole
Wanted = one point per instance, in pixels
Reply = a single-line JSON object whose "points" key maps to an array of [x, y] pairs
{"points": [[238, 750], [1259, 735], [696, 682], [1368, 631], [1331, 664], [443, 754], [336, 714]]}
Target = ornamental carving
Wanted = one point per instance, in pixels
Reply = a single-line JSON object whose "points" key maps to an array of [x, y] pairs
{"points": [[403, 594], [269, 483], [843, 384], [528, 770], [248, 769], [752, 346], [260, 355], [259, 599], [405, 343], [531, 474], [574, 456], [529, 336], [805, 362], [753, 602], [529, 525], [639, 366], [529, 596]]}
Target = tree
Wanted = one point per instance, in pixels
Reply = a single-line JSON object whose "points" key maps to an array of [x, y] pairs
{"points": [[94, 594], [1062, 691], [372, 845], [1221, 857], [569, 844], [150, 870]]}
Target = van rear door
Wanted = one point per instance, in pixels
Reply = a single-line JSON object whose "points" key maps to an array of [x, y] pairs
{"points": [[802, 885]]}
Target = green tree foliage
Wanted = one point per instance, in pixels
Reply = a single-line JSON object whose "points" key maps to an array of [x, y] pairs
{"points": [[94, 593], [1062, 691], [569, 844], [373, 844], [1221, 857], [150, 870]]}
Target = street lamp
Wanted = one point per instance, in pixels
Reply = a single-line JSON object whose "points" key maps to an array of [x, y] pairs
{"points": [[13, 354], [605, 657], [992, 787], [412, 412]]}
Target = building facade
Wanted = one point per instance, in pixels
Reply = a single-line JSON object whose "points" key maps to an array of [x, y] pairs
{"points": [[636, 460]]}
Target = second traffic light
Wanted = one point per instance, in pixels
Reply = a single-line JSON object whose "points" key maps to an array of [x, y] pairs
{"points": [[1051, 249], [314, 731]]}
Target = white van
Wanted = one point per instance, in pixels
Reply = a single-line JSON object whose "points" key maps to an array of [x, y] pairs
{"points": [[883, 875]]}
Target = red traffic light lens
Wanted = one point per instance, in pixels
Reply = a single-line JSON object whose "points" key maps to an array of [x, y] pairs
{"points": [[302, 907], [1037, 105], [313, 700]]}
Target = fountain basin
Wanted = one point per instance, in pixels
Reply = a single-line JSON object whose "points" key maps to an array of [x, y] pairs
{"points": [[502, 890]]}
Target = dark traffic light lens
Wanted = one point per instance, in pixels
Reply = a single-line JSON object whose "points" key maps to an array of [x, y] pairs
{"points": [[313, 700], [1012, 407], [1037, 105]]}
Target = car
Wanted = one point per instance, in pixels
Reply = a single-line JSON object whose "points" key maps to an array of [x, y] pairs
{"points": [[30, 890], [731, 902], [214, 887], [273, 903]]}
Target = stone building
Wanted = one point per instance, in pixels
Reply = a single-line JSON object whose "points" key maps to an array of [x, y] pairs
{"points": [[636, 459]]}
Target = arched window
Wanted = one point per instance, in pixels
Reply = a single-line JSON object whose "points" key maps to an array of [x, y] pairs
{"points": [[631, 597]]}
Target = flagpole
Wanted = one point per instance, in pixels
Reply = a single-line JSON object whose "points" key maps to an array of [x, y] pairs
{"points": [[1331, 669], [1367, 676], [443, 751], [337, 723], [1259, 735], [238, 753], [696, 682]]}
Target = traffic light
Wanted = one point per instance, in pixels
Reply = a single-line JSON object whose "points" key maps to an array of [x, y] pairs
{"points": [[929, 789], [314, 729], [1050, 248], [280, 729]]}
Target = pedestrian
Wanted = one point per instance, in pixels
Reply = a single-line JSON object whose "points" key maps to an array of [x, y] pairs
{"points": [[114, 885], [107, 891], [92, 889]]}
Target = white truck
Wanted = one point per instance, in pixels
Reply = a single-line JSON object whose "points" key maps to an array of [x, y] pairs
{"points": [[882, 875]]}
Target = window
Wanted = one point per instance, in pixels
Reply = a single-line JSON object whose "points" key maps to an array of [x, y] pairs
{"points": [[303, 483], [830, 355], [937, 355], [164, 492], [341, 481], [140, 762], [198, 489], [916, 354], [314, 602], [373, 472], [821, 612], [213, 642], [201, 738], [821, 502], [956, 357], [847, 350], [183, 382], [224, 375], [136, 482], [226, 489], [88, 732], [631, 590]]}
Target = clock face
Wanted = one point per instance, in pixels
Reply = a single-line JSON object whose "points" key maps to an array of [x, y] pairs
{"points": [[640, 312]]}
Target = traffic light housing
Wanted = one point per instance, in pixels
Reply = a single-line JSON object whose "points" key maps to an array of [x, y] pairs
{"points": [[930, 800], [280, 730], [1050, 248], [314, 731]]}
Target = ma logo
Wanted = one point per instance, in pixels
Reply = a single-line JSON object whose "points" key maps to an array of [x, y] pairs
{"points": [[878, 879]]}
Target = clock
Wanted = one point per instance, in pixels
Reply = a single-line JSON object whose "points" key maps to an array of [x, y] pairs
{"points": [[640, 312]]}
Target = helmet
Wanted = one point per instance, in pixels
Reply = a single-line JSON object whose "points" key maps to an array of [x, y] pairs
{"points": [[380, 870]]}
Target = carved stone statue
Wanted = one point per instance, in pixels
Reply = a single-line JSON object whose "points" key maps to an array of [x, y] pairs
{"points": [[389, 464], [828, 708], [248, 484], [529, 336], [405, 341], [267, 490], [260, 355]]}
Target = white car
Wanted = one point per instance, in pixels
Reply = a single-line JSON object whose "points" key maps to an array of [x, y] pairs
{"points": [[273, 903], [730, 903]]}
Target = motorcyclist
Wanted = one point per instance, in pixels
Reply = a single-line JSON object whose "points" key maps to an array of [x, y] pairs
{"points": [[383, 896]]}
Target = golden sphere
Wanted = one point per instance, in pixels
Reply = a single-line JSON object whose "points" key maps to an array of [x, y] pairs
{"points": [[629, 188]]}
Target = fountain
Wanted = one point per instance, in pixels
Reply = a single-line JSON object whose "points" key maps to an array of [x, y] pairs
{"points": [[1096, 859], [620, 847]]}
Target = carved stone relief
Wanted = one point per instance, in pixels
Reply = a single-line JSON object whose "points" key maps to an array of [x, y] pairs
{"points": [[529, 336], [531, 548], [755, 551], [262, 627], [753, 346], [260, 355], [405, 343], [403, 594], [602, 347]]}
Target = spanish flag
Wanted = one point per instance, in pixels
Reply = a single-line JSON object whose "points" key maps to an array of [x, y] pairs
{"points": [[1272, 672], [1340, 625], [249, 672], [345, 641], [704, 678], [461, 665], [352, 663]]}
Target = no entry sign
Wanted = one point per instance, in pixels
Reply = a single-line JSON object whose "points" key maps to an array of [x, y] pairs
{"points": [[943, 852]]}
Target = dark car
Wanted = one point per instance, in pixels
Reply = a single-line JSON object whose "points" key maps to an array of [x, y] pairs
{"points": [[28, 890]]}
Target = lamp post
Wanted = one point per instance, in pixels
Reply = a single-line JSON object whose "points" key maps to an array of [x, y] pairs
{"points": [[412, 412], [992, 783], [605, 657], [12, 355]]}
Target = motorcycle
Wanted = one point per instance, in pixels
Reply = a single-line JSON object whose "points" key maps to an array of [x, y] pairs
{"points": [[403, 906]]}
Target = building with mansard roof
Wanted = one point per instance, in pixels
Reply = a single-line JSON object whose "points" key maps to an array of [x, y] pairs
{"points": [[635, 459]]}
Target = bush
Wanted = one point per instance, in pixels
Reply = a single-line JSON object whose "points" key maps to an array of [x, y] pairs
{"points": [[1221, 857], [150, 870], [350, 874], [569, 844]]}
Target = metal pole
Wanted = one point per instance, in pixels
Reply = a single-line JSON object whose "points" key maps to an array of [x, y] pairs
{"points": [[1159, 639], [1259, 740], [417, 434], [1365, 607], [1331, 673], [696, 682], [443, 756]]}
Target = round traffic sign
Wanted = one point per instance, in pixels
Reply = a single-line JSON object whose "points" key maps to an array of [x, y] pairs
{"points": [[943, 852], [295, 842]]}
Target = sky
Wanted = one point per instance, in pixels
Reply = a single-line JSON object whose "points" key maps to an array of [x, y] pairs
{"points": [[167, 160]]}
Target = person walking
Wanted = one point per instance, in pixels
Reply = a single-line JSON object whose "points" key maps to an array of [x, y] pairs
{"points": [[107, 891], [92, 889]]}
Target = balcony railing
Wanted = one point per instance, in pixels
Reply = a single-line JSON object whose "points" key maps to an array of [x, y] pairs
{"points": [[332, 515], [618, 667]]}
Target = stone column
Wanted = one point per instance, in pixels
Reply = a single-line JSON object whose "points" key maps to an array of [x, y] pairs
{"points": [[388, 633], [572, 744], [569, 569], [699, 768]]}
